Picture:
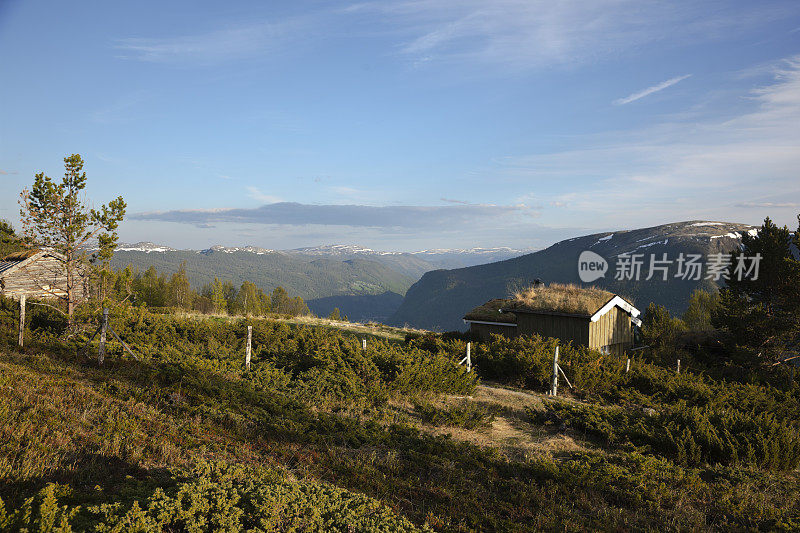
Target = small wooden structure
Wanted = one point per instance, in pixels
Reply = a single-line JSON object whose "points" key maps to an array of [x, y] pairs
{"points": [[37, 274], [589, 317]]}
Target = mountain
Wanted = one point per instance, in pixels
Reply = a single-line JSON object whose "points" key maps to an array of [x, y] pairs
{"points": [[308, 276], [358, 307], [364, 284], [442, 297], [455, 258], [430, 259]]}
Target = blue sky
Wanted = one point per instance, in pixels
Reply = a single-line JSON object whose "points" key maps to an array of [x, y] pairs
{"points": [[404, 124]]}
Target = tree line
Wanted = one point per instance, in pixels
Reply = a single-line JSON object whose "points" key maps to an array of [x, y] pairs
{"points": [[154, 290]]}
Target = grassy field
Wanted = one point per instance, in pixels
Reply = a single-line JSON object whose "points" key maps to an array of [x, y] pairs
{"points": [[321, 435]]}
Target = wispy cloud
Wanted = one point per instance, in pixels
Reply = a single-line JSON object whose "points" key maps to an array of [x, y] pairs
{"points": [[452, 201], [650, 90], [214, 46], [524, 34], [768, 205], [7, 172], [256, 194], [296, 214], [683, 170]]}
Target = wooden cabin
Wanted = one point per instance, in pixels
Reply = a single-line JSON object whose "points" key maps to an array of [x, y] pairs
{"points": [[36, 274], [589, 317]]}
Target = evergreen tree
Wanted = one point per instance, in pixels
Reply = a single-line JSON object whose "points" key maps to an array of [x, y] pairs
{"points": [[10, 242], [280, 301], [55, 216], [660, 331], [335, 314], [763, 314], [150, 288]]}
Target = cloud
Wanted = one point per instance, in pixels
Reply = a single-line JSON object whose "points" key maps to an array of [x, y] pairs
{"points": [[451, 201], [768, 205], [7, 172], [296, 214], [650, 90], [256, 194], [524, 34], [680, 170], [213, 46]]}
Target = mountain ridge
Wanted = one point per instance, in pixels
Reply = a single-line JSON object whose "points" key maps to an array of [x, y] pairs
{"points": [[440, 298]]}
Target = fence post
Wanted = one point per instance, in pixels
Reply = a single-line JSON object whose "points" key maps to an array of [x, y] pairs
{"points": [[628, 365], [679, 367], [364, 343], [21, 320], [249, 344], [101, 353], [555, 373], [469, 358]]}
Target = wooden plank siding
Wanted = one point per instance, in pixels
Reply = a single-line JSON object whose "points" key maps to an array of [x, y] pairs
{"points": [[613, 329], [43, 277], [485, 331], [574, 329]]}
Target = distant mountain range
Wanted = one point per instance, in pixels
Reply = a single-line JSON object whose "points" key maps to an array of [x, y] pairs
{"points": [[441, 298], [364, 284]]}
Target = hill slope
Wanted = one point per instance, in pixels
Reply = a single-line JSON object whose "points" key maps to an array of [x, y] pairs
{"points": [[305, 275], [442, 297]]}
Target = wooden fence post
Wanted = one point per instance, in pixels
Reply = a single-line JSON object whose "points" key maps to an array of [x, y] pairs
{"points": [[679, 367], [247, 351], [101, 352], [628, 365], [555, 373], [21, 320], [469, 357], [364, 343]]}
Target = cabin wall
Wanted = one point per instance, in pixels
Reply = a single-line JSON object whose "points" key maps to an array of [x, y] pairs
{"points": [[566, 328], [42, 278], [614, 330], [484, 332]]}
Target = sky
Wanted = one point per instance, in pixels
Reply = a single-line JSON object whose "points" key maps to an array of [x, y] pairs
{"points": [[405, 124]]}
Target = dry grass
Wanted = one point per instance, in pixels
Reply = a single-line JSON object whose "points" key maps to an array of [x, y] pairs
{"points": [[20, 256], [490, 312], [560, 298], [511, 432], [373, 329]]}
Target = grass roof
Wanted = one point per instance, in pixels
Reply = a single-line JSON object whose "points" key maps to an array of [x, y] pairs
{"points": [[490, 312], [20, 256], [559, 298]]}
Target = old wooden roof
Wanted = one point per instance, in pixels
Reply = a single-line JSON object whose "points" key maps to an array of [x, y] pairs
{"points": [[12, 260]]}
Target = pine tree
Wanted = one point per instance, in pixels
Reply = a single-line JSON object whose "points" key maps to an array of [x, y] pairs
{"points": [[763, 314], [54, 215]]}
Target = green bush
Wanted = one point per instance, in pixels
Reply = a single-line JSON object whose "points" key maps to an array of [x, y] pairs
{"points": [[465, 415], [692, 436]]}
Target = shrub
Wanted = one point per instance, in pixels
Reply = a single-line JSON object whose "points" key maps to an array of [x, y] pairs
{"points": [[464, 415]]}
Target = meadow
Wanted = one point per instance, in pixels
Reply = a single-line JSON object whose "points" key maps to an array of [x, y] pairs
{"points": [[311, 439]]}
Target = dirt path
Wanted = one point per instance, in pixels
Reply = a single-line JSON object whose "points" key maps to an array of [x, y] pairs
{"points": [[511, 430]]}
